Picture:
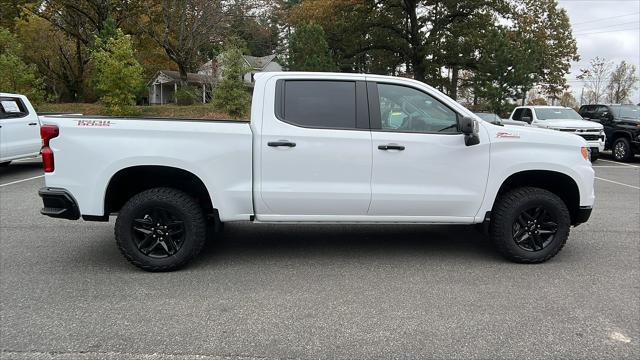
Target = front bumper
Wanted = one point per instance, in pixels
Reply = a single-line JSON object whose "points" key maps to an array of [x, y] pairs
{"points": [[59, 203]]}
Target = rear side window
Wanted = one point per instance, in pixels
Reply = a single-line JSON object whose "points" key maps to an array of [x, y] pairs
{"points": [[317, 104], [517, 114], [12, 108]]}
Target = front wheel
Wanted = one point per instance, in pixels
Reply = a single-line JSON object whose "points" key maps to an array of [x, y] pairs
{"points": [[529, 225], [622, 150], [160, 229]]}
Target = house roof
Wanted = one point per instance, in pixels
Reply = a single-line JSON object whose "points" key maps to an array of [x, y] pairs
{"points": [[171, 76], [256, 63], [259, 63]]}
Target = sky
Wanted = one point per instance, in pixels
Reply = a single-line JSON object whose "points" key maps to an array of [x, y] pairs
{"points": [[606, 28]]}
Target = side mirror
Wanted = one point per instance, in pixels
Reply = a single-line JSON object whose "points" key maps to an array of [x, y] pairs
{"points": [[606, 117], [469, 128], [526, 119]]}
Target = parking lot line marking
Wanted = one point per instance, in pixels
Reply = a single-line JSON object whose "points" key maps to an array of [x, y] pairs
{"points": [[19, 181], [619, 183], [619, 163], [610, 166]]}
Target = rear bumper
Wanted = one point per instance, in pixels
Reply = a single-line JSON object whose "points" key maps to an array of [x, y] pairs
{"points": [[583, 214], [59, 203]]}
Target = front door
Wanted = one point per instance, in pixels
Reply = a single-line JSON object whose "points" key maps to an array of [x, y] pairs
{"points": [[315, 152], [422, 169], [19, 131]]}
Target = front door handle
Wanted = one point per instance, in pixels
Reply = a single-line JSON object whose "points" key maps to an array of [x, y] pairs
{"points": [[391, 147], [281, 143]]}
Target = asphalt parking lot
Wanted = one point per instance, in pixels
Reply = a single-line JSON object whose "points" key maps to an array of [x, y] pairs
{"points": [[261, 291]]}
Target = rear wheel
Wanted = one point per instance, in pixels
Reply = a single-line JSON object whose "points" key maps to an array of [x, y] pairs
{"points": [[529, 225], [160, 229], [622, 149]]}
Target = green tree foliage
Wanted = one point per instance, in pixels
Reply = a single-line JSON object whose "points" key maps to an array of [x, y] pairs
{"points": [[506, 68], [58, 62], [15, 75], [548, 28], [230, 94], [118, 74], [622, 82], [308, 49]]}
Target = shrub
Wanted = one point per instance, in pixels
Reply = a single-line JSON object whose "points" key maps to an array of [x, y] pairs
{"points": [[231, 94], [185, 97], [118, 75]]}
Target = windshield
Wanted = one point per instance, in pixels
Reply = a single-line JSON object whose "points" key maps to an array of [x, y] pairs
{"points": [[627, 111], [488, 116], [557, 114]]}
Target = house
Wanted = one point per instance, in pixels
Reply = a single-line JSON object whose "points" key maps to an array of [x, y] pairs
{"points": [[257, 64], [164, 84]]}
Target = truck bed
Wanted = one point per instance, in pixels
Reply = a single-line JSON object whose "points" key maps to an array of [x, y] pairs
{"points": [[90, 150]]}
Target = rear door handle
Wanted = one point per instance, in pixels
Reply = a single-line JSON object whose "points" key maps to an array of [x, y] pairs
{"points": [[391, 147], [33, 124], [281, 143]]}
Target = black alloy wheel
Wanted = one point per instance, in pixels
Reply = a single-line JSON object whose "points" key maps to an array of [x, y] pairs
{"points": [[158, 232], [534, 229]]}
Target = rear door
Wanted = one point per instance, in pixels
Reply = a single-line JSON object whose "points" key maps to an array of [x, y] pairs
{"points": [[422, 169], [315, 150], [19, 131]]}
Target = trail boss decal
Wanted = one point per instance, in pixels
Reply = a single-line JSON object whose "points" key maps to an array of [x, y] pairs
{"points": [[95, 123], [506, 134]]}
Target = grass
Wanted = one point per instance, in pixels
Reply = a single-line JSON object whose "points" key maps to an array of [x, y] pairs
{"points": [[196, 111]]}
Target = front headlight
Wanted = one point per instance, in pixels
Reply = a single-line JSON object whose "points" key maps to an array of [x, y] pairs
{"points": [[585, 153]]}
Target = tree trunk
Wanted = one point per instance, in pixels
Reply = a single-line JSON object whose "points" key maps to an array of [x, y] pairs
{"points": [[79, 95], [453, 86], [183, 75]]}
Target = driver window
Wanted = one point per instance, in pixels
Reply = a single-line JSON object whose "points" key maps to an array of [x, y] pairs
{"points": [[410, 110]]}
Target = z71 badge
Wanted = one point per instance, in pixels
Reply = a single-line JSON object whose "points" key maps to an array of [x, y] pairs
{"points": [[95, 123]]}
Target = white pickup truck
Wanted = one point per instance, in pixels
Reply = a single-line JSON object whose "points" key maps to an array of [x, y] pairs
{"points": [[320, 148], [563, 119], [19, 129]]}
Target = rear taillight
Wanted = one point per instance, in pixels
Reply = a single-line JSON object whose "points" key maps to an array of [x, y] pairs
{"points": [[48, 132]]}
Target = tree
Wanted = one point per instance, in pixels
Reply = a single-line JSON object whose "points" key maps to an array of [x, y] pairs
{"points": [[548, 28], [118, 73], [622, 82], [15, 75], [182, 28], [57, 62], [568, 100], [82, 20], [506, 68], [595, 79], [230, 94], [308, 50]]}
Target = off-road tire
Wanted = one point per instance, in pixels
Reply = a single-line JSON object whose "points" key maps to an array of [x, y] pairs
{"points": [[508, 208], [175, 201], [626, 154]]}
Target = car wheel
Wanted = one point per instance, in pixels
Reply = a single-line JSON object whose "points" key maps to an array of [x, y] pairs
{"points": [[594, 157], [529, 225], [622, 150], [160, 229], [5, 164]]}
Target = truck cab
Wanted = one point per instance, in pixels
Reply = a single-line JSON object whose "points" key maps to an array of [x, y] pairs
{"points": [[19, 129], [621, 125], [563, 119]]}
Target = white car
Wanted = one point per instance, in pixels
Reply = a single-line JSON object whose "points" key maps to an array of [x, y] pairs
{"points": [[563, 119], [320, 148], [19, 129]]}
